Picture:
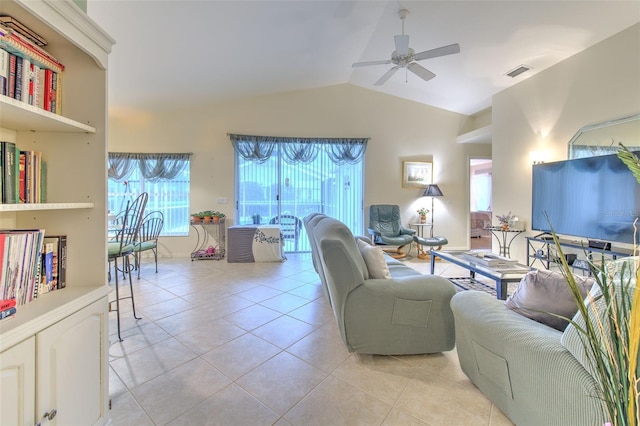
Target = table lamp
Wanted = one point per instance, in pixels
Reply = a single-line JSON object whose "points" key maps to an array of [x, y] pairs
{"points": [[432, 190]]}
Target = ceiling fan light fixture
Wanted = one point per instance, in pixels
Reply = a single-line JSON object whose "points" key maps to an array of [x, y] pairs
{"points": [[518, 70]]}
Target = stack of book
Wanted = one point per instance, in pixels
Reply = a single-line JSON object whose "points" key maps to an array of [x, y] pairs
{"points": [[7, 309], [31, 264], [28, 73], [23, 175]]}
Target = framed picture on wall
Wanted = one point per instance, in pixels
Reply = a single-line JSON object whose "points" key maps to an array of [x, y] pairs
{"points": [[416, 174]]}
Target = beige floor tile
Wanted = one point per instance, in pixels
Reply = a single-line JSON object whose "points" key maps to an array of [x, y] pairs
{"points": [[252, 317], [231, 406], [334, 402], [259, 293], [400, 418], [172, 394], [143, 335], [285, 302], [439, 401], [283, 331], [241, 355], [317, 312], [283, 284], [323, 348], [308, 291], [150, 362], [281, 382], [445, 364], [116, 386], [209, 336], [164, 309], [125, 411], [497, 417], [384, 377]]}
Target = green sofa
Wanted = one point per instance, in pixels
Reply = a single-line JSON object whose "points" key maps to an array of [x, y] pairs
{"points": [[522, 366], [408, 313]]}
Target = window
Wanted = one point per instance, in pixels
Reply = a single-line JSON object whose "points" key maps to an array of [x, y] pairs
{"points": [[164, 176], [295, 177]]}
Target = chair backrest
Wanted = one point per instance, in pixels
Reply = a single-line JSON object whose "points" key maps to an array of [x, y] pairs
{"points": [[132, 221], [290, 225], [151, 227], [385, 219]]}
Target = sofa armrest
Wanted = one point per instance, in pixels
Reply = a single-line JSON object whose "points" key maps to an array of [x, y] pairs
{"points": [[412, 311], [520, 364]]}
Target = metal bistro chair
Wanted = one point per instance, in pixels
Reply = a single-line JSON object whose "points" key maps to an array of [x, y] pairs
{"points": [[148, 237], [290, 227], [123, 247]]}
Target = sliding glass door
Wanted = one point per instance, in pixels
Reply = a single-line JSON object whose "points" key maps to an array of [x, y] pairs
{"points": [[278, 190]]}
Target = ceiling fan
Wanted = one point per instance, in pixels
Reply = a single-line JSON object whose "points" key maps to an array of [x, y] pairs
{"points": [[405, 57]]}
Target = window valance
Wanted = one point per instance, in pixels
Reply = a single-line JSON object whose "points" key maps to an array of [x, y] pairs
{"points": [[153, 166], [299, 150]]}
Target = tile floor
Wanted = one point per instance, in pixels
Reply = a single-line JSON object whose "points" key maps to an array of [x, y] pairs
{"points": [[256, 344]]}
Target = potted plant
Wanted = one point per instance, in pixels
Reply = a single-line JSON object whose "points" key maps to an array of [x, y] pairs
{"points": [[207, 215], [196, 217], [504, 220], [610, 326], [217, 216], [423, 214]]}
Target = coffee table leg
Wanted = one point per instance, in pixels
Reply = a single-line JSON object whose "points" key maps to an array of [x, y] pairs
{"points": [[433, 263], [501, 289]]}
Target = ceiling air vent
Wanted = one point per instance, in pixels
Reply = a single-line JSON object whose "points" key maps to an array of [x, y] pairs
{"points": [[518, 70]]}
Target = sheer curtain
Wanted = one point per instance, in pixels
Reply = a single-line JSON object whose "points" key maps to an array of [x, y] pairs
{"points": [[299, 176], [165, 176]]}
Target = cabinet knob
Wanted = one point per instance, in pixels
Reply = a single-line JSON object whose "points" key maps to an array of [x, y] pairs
{"points": [[48, 416]]}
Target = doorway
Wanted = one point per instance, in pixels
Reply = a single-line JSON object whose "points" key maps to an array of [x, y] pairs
{"points": [[480, 203]]}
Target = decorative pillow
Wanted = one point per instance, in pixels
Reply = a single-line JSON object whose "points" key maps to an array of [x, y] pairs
{"points": [[374, 259], [541, 293]]}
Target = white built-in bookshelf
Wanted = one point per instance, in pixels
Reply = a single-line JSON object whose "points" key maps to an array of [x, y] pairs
{"points": [[41, 341]]}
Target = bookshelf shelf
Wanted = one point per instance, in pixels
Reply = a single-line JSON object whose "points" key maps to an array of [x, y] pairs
{"points": [[20, 116], [44, 206]]}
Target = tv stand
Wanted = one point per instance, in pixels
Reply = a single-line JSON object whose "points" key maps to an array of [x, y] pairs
{"points": [[542, 250]]}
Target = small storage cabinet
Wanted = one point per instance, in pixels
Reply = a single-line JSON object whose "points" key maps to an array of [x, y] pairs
{"points": [[211, 242]]}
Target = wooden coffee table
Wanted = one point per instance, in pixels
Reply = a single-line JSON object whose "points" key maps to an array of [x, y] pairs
{"points": [[501, 276]]}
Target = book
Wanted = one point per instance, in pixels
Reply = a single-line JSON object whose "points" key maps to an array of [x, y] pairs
{"points": [[6, 304], [59, 243], [11, 84], [23, 30], [9, 181], [47, 281], [18, 91], [17, 44], [486, 258], [4, 72], [9, 313]]}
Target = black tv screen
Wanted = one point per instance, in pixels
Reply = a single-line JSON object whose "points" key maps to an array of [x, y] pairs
{"points": [[593, 198]]}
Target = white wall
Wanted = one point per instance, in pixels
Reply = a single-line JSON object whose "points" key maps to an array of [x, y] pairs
{"points": [[543, 112], [399, 130]]}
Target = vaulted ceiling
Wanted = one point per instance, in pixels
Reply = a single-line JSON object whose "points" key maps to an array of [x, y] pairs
{"points": [[173, 54]]}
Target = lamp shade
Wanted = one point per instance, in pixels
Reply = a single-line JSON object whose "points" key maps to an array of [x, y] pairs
{"points": [[432, 190]]}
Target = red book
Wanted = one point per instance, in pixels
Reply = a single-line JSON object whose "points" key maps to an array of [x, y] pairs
{"points": [[7, 303], [22, 177], [11, 90], [46, 92]]}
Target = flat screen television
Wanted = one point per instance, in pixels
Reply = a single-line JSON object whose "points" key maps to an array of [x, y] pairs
{"points": [[595, 198]]}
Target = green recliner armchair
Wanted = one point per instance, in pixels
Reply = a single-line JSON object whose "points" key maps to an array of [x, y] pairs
{"points": [[385, 228]]}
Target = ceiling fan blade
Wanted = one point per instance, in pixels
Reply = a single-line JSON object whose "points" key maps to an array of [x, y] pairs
{"points": [[420, 71], [366, 64], [402, 44], [386, 76], [440, 51]]}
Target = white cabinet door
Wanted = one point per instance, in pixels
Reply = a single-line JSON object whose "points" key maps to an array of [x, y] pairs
{"points": [[71, 364], [17, 384]]}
